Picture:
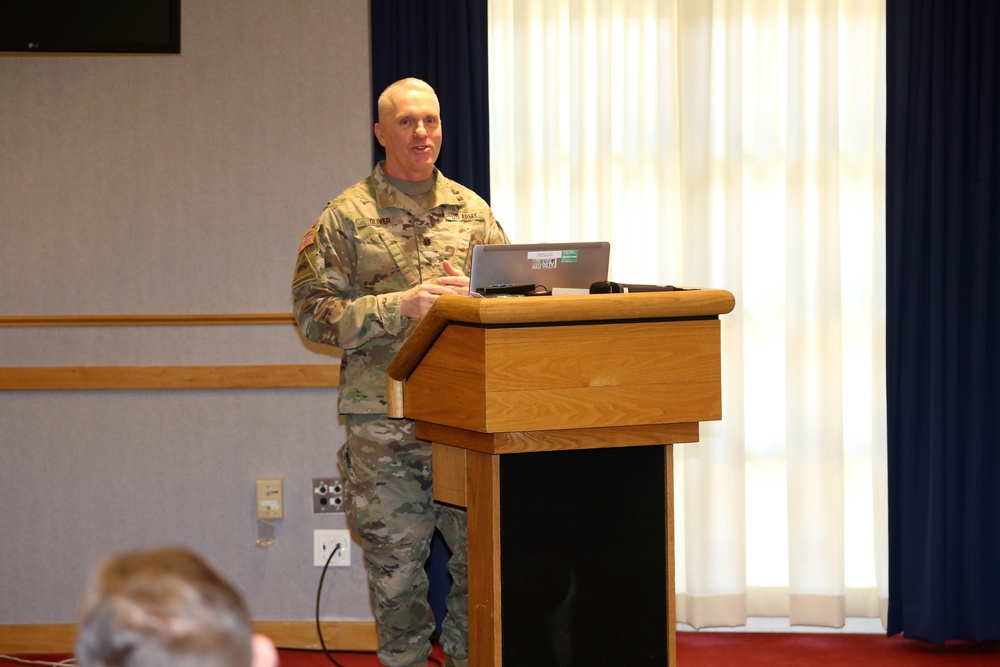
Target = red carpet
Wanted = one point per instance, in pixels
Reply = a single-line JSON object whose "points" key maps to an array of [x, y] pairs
{"points": [[767, 649], [745, 649], [749, 649]]}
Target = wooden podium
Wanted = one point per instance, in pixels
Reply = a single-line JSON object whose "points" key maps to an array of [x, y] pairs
{"points": [[552, 420]]}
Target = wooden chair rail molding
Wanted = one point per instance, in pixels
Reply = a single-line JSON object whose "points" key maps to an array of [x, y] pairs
{"points": [[144, 320], [125, 378], [57, 378]]}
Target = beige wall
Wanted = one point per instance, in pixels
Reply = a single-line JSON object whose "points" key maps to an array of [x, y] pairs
{"points": [[173, 184]]}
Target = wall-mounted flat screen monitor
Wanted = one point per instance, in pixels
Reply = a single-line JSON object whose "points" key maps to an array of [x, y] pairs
{"points": [[90, 26]]}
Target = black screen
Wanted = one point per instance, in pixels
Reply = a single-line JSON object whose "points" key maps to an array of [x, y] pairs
{"points": [[583, 558], [90, 26]]}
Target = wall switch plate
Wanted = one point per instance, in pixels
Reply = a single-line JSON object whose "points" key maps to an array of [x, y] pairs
{"points": [[270, 499], [335, 542], [328, 495]]}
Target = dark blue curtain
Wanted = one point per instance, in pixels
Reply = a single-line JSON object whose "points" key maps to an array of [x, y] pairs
{"points": [[943, 318], [443, 42]]}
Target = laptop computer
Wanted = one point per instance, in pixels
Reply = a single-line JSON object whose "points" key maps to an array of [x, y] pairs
{"points": [[537, 268]]}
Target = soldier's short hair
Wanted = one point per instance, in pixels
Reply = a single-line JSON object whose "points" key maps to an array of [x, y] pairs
{"points": [[161, 608], [410, 83]]}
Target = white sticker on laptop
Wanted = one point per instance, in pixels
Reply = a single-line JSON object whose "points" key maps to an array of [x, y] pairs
{"points": [[549, 259]]}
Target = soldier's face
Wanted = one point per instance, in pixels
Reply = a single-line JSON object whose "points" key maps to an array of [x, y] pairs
{"points": [[411, 135]]}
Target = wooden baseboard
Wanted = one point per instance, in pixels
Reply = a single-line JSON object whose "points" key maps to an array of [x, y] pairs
{"points": [[28, 639], [337, 635], [58, 638]]}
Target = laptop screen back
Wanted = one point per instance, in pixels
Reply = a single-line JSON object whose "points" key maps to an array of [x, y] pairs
{"points": [[550, 266]]}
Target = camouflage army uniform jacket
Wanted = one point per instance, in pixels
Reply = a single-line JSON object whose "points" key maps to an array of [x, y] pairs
{"points": [[370, 244]]}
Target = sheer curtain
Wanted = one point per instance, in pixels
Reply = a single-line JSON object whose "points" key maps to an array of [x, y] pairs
{"points": [[740, 145]]}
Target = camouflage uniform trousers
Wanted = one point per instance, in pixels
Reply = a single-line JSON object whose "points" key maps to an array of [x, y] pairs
{"points": [[387, 473]]}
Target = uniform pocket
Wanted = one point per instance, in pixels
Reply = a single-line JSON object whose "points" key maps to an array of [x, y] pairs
{"points": [[359, 480], [379, 249]]}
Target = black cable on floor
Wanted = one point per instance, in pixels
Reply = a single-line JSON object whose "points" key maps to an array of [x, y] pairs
{"points": [[319, 630], [319, 591]]}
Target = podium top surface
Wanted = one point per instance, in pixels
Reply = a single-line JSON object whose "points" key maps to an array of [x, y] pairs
{"points": [[555, 309]]}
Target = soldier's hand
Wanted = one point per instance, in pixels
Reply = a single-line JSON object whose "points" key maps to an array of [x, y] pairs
{"points": [[456, 280], [416, 301]]}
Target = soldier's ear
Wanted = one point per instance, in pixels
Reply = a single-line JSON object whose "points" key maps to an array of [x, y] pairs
{"points": [[380, 134]]}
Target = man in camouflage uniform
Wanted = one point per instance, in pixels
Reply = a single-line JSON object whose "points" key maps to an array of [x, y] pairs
{"points": [[378, 257]]}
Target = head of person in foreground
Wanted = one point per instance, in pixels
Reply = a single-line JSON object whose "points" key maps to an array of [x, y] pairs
{"points": [[166, 607]]}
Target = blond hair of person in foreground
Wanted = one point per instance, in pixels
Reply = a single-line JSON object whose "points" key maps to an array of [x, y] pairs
{"points": [[166, 607]]}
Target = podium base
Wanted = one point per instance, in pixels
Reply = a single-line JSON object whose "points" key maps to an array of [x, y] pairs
{"points": [[583, 558]]}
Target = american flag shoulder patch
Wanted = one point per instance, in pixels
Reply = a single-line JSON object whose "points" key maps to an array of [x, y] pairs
{"points": [[307, 239]]}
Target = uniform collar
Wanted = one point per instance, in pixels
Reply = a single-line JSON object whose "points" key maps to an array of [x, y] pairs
{"points": [[444, 192]]}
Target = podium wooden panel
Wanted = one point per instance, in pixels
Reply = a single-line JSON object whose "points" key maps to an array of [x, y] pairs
{"points": [[552, 420]]}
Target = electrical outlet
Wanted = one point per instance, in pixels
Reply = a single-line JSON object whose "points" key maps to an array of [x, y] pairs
{"points": [[270, 499], [328, 495], [337, 542]]}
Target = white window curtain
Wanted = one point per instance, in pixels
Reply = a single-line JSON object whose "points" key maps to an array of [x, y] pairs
{"points": [[735, 144]]}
